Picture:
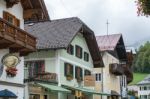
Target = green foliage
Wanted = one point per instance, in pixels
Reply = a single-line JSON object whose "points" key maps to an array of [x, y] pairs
{"points": [[143, 7], [142, 61]]}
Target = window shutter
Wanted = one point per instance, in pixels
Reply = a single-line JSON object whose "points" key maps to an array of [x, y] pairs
{"points": [[81, 74], [72, 49], [86, 56], [96, 77], [65, 69], [78, 51], [17, 22], [76, 72], [5, 15]]}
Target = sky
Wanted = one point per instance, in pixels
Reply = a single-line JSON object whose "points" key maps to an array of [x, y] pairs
{"points": [[121, 15]]}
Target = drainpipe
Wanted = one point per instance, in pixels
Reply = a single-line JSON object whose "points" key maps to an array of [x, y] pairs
{"points": [[102, 83]]}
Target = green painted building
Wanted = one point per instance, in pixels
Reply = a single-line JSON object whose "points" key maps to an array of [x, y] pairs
{"points": [[66, 52]]}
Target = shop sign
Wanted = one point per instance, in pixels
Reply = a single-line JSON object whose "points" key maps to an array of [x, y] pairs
{"points": [[89, 81], [52, 77], [10, 61]]}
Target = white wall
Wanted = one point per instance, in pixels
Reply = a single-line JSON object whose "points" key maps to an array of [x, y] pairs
{"points": [[20, 67], [110, 81], [19, 91], [144, 92], [16, 10], [18, 79]]}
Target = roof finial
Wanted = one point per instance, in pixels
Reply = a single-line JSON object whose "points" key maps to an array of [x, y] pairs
{"points": [[107, 26]]}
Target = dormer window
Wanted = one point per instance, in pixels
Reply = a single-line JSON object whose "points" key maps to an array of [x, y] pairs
{"points": [[78, 51], [11, 19], [70, 49]]}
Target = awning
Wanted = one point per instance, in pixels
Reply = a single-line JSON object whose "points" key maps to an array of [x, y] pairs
{"points": [[54, 88], [114, 93], [86, 91], [7, 93]]}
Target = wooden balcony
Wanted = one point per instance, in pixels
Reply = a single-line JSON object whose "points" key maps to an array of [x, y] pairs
{"points": [[116, 69], [16, 39]]}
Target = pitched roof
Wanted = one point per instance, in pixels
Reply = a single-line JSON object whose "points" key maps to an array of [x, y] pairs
{"points": [[145, 81], [112, 43], [58, 34], [108, 42]]}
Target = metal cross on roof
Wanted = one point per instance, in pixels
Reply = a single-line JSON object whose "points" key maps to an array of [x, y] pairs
{"points": [[107, 26]]}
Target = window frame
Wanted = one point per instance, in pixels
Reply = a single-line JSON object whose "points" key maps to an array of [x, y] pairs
{"points": [[86, 56], [77, 53], [15, 21], [70, 49], [98, 77]]}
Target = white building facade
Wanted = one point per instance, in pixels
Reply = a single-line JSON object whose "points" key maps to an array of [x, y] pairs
{"points": [[12, 41]]}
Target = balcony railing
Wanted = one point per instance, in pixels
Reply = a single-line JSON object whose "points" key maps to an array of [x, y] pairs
{"points": [[16, 36], [116, 69]]}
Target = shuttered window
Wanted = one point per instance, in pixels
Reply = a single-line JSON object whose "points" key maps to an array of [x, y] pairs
{"points": [[68, 69], [11, 19], [86, 56], [70, 49], [78, 51], [35, 68], [78, 73]]}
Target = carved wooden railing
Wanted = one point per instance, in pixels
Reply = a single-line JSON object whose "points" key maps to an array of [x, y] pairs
{"points": [[116, 69], [16, 34]]}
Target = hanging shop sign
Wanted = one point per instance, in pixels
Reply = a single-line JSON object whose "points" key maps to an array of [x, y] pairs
{"points": [[45, 76], [10, 61]]}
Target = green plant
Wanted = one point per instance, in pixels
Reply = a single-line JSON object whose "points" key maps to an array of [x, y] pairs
{"points": [[143, 7]]}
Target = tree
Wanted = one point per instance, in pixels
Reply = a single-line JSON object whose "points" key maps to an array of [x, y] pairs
{"points": [[142, 60], [143, 7]]}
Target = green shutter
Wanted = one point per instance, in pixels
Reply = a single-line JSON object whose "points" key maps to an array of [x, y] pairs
{"points": [[65, 69], [79, 55], [72, 49]]}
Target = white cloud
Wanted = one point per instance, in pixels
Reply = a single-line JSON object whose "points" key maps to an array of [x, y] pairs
{"points": [[120, 13]]}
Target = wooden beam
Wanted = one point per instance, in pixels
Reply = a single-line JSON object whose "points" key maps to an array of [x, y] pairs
{"points": [[30, 12]]}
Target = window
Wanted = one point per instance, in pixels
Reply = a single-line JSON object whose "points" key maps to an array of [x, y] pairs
{"points": [[86, 56], [140, 88], [87, 72], [145, 88], [78, 51], [78, 74], [68, 71], [35, 68], [98, 77], [70, 49], [11, 19]]}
